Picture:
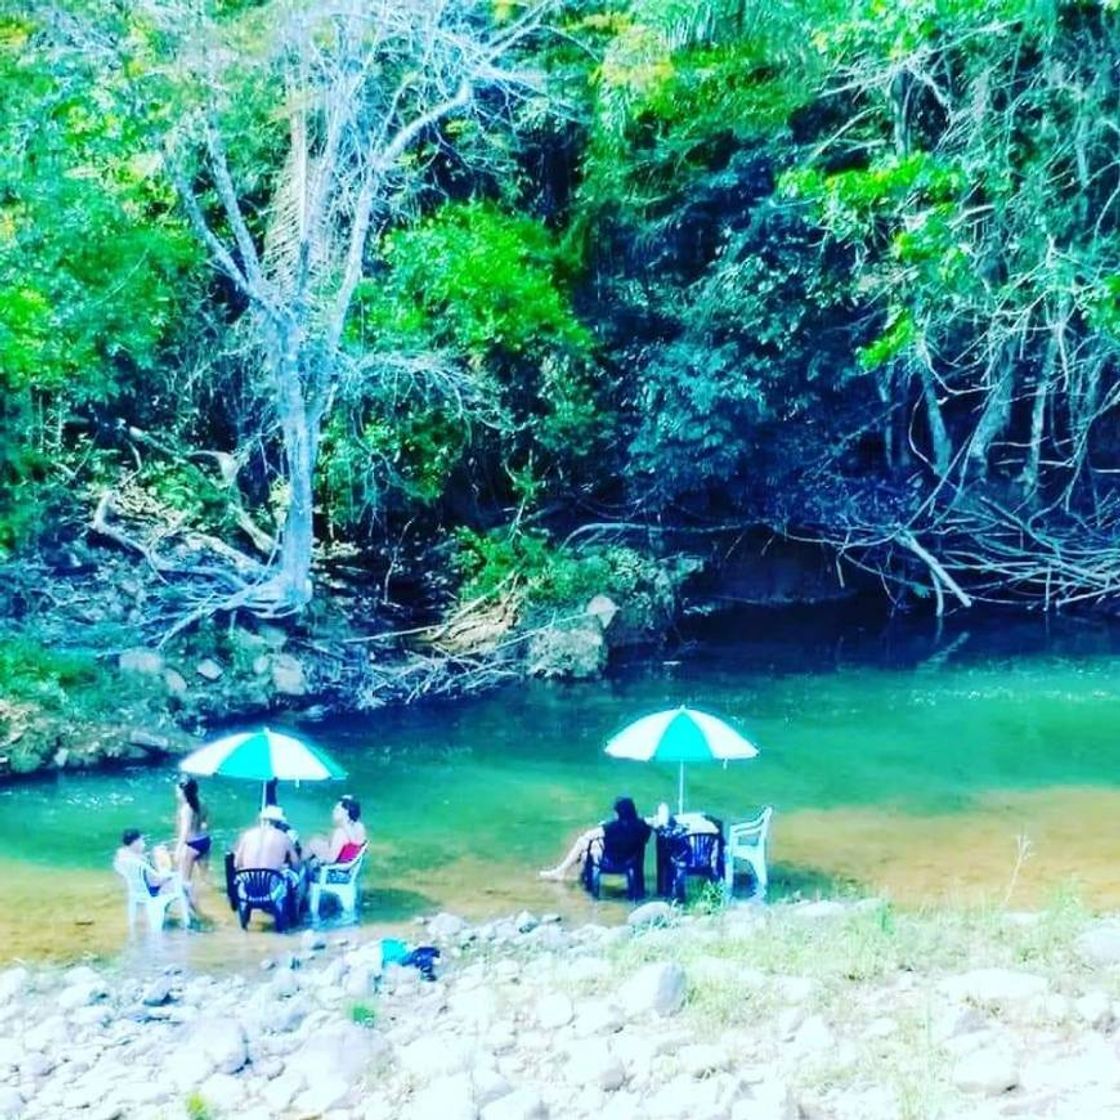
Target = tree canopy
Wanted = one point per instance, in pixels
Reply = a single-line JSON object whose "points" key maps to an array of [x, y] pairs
{"points": [[285, 280]]}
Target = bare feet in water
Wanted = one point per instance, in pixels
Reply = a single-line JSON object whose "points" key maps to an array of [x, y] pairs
{"points": [[552, 873]]}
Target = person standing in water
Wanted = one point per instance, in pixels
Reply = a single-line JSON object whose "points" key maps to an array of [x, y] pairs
{"points": [[192, 838]]}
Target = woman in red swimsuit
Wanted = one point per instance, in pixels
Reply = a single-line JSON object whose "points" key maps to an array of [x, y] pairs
{"points": [[347, 838]]}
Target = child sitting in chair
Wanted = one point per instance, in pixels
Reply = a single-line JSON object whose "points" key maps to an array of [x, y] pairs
{"points": [[157, 871]]}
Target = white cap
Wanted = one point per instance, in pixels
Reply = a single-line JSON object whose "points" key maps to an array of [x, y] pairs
{"points": [[272, 813]]}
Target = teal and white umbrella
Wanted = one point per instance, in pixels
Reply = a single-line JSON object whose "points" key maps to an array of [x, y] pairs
{"points": [[680, 735], [262, 756]]}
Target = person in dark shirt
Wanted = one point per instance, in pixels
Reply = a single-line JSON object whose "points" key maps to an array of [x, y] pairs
{"points": [[621, 838]]}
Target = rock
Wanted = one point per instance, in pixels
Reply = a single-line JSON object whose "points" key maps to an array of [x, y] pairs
{"points": [[220, 1044], [603, 609], [593, 1063], [598, 1017], [702, 1059], [273, 636], [435, 1056], [157, 993], [475, 1008], [445, 927], [223, 1092], [555, 1010], [489, 1085], [209, 670], [80, 974], [1095, 1008], [12, 982], [796, 989], [312, 941], [990, 1070], [584, 969], [144, 661], [957, 1021], [767, 1100], [322, 1094], [37, 1065], [650, 914], [994, 987], [49, 1033], [447, 1098], [288, 677], [148, 741], [80, 995], [812, 1037], [657, 988], [93, 1014], [174, 682], [698, 1100], [816, 910], [1100, 945], [284, 984], [525, 922], [279, 1093], [11, 1102], [546, 937], [11, 1054], [522, 1104], [573, 650]]}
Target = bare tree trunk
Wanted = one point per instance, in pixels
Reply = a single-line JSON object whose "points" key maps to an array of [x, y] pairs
{"points": [[298, 539], [940, 443], [992, 422], [1030, 474]]}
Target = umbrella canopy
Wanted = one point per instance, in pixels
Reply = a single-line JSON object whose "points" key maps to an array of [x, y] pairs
{"points": [[261, 756], [680, 735]]}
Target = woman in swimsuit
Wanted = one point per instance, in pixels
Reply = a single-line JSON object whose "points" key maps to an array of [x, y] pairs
{"points": [[347, 838], [192, 842]]}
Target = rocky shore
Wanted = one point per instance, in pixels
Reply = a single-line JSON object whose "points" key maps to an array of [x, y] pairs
{"points": [[804, 1010]]}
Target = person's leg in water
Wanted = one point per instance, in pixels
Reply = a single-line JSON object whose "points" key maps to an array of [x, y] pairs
{"points": [[194, 852], [576, 854]]}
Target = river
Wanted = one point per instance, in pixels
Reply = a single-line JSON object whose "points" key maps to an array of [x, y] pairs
{"points": [[974, 763]]}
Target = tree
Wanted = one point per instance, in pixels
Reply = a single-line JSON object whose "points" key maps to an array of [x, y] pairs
{"points": [[94, 266], [367, 93]]}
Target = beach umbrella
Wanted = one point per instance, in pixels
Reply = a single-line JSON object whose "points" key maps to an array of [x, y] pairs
{"points": [[262, 756], [680, 735]]}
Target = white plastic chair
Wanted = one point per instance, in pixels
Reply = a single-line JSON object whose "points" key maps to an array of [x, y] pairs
{"points": [[747, 842], [135, 874], [340, 880]]}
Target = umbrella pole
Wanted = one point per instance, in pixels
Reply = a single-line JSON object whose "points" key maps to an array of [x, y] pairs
{"points": [[680, 788]]}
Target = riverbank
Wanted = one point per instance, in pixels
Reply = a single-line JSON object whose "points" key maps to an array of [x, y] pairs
{"points": [[818, 1009]]}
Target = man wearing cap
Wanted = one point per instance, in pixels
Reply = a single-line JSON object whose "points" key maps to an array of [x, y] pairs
{"points": [[269, 844]]}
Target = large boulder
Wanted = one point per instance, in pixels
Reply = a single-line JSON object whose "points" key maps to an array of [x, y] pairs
{"points": [[573, 650]]}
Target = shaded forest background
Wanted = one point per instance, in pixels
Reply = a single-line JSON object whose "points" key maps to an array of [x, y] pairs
{"points": [[474, 300]]}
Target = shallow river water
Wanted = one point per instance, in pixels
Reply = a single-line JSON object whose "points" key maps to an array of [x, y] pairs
{"points": [[975, 764]]}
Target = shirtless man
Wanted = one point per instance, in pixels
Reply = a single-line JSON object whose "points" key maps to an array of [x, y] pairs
{"points": [[269, 844]]}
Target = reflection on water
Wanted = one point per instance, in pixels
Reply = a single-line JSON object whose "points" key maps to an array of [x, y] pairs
{"points": [[903, 760]]}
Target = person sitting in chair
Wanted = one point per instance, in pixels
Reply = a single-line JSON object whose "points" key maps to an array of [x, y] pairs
{"points": [[622, 838], [132, 851], [269, 844], [349, 834]]}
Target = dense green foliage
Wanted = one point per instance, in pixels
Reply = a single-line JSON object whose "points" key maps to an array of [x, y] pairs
{"points": [[92, 265], [851, 271]]}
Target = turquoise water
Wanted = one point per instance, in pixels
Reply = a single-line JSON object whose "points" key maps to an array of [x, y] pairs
{"points": [[877, 741]]}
